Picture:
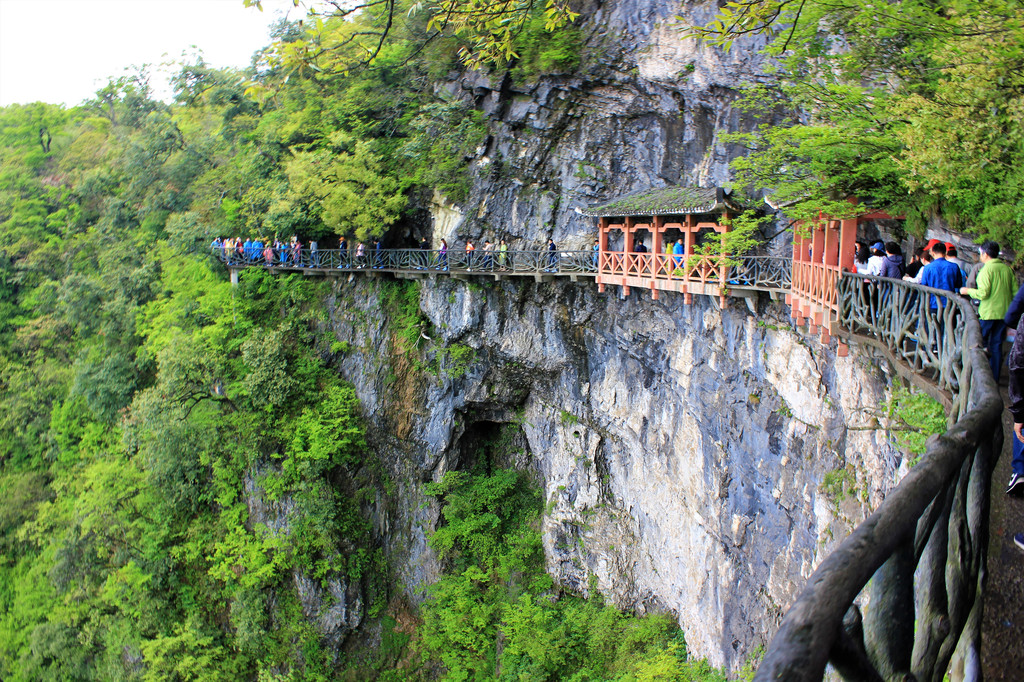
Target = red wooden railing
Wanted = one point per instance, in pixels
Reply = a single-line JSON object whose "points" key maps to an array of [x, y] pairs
{"points": [[660, 266]]}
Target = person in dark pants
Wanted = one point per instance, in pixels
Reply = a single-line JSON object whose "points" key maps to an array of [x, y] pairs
{"points": [[1015, 365], [552, 256], [423, 259], [939, 274], [996, 284]]}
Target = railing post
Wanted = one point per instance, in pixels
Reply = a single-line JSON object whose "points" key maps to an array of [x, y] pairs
{"points": [[932, 606], [889, 617]]}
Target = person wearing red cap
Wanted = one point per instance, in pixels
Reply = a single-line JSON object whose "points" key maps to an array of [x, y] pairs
{"points": [[941, 274], [952, 257]]}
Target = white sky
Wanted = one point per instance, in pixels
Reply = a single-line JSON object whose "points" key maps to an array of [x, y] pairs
{"points": [[62, 51]]}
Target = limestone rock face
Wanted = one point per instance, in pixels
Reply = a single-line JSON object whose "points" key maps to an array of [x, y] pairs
{"points": [[685, 452], [646, 108]]}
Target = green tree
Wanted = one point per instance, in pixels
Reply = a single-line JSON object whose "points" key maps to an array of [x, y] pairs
{"points": [[913, 107]]}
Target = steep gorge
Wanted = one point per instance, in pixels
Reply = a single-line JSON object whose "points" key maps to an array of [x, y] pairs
{"points": [[259, 481]]}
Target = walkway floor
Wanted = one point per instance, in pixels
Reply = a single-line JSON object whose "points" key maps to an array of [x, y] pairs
{"points": [[1002, 648]]}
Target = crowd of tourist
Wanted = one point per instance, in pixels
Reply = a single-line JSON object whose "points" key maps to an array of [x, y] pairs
{"points": [[493, 256], [260, 250], [992, 286], [989, 282]]}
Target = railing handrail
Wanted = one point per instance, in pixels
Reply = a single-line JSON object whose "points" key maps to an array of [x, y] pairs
{"points": [[823, 624], [452, 260]]}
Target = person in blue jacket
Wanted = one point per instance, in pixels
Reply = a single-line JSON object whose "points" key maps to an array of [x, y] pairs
{"points": [[677, 251], [941, 274]]}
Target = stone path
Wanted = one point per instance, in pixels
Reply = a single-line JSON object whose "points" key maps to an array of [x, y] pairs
{"points": [[1002, 642]]}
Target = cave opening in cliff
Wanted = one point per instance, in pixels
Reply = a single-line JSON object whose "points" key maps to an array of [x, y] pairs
{"points": [[486, 445]]}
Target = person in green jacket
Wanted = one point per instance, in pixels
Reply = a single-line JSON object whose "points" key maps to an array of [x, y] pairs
{"points": [[996, 286]]}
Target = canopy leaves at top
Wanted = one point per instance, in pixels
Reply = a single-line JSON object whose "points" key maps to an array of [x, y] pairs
{"points": [[911, 105]]}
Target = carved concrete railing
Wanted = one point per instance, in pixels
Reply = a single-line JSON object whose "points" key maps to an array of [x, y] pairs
{"points": [[420, 261], [900, 598]]}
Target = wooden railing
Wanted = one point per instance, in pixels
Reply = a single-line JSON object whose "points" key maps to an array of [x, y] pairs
{"points": [[816, 283], [762, 272], [900, 597]]}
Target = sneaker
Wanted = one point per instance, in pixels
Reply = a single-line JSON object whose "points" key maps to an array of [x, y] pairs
{"points": [[1016, 485], [1018, 540]]}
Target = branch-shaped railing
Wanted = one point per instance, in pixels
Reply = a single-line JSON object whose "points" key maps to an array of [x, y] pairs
{"points": [[901, 596], [767, 272], [419, 260]]}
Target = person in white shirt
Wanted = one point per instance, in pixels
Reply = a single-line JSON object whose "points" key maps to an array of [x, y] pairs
{"points": [[875, 261]]}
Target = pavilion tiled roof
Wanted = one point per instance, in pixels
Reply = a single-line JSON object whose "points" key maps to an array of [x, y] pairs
{"points": [[675, 200]]}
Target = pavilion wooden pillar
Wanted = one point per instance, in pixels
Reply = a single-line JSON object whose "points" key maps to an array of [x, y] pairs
{"points": [[689, 227], [817, 252], [723, 229], [817, 243], [602, 234], [801, 244], [627, 249], [847, 244], [690, 224], [658, 230], [830, 259], [647, 263], [602, 250], [832, 243]]}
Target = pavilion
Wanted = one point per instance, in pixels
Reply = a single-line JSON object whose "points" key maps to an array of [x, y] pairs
{"points": [[656, 218]]}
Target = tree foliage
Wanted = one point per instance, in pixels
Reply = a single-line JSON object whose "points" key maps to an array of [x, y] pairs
{"points": [[347, 35], [177, 455], [496, 614], [913, 106]]}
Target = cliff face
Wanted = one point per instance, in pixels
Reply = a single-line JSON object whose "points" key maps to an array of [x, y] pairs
{"points": [[645, 109], [689, 456], [693, 459]]}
